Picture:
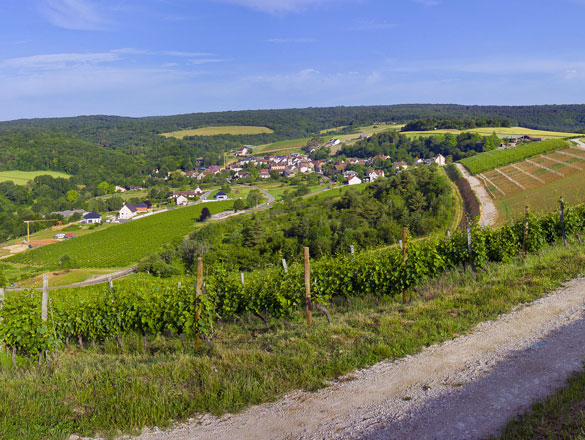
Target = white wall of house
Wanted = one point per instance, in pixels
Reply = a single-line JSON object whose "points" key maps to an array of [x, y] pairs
{"points": [[125, 213]]}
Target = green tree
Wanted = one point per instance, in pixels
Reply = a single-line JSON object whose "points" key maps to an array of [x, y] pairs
{"points": [[72, 195], [239, 205], [253, 198]]}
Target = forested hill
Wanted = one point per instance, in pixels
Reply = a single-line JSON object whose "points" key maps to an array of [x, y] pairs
{"points": [[292, 123]]}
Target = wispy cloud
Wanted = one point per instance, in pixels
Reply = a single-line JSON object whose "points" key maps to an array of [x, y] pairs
{"points": [[367, 25], [73, 14], [427, 2], [173, 53], [278, 6], [300, 40], [58, 61]]}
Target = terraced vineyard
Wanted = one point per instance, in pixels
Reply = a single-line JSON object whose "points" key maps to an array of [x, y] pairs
{"points": [[121, 245], [538, 182]]}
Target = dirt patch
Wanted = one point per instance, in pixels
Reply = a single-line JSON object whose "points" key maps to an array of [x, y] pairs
{"points": [[39, 243]]}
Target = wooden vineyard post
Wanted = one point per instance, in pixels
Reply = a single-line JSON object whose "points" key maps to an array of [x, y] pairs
{"points": [[563, 221], [1, 298], [197, 299], [448, 234], [525, 237], [284, 266], [308, 288], [351, 249], [242, 277], [45, 298], [470, 248], [111, 284], [404, 246]]}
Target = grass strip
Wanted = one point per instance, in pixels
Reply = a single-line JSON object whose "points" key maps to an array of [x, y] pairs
{"points": [[108, 390]]}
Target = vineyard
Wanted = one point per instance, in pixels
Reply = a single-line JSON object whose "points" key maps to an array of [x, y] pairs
{"points": [[151, 308], [121, 245], [493, 159]]}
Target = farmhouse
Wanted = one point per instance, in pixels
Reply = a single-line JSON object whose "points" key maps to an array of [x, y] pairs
{"points": [[439, 159], [373, 175], [91, 218], [264, 174], [353, 181], [243, 151], [221, 196], [181, 200], [188, 194], [127, 211], [120, 189], [142, 206], [400, 165]]}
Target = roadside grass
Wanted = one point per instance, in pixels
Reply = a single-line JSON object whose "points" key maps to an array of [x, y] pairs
{"points": [[214, 131], [560, 416], [23, 177], [106, 390]]}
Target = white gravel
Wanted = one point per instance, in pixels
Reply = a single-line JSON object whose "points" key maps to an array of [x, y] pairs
{"points": [[468, 387]]}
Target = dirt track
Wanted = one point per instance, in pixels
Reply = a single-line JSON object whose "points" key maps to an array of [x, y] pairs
{"points": [[467, 387], [489, 213]]}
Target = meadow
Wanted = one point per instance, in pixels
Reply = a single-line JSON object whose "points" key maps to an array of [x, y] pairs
{"points": [[214, 131], [121, 245], [500, 132], [23, 177], [282, 147]]}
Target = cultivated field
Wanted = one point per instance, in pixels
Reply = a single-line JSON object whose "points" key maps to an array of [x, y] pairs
{"points": [[538, 182], [214, 131], [500, 131], [122, 245], [23, 177], [284, 147]]}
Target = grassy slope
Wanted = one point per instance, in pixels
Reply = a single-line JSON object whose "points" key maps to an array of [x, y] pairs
{"points": [[214, 131], [23, 177], [105, 388], [124, 244], [500, 131]]}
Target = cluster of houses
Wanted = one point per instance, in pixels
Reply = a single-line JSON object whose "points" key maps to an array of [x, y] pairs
{"points": [[511, 141]]}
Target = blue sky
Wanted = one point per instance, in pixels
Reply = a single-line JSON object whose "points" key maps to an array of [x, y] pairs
{"points": [[157, 57]]}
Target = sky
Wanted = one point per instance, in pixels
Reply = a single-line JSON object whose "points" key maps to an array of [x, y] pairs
{"points": [[162, 57]]}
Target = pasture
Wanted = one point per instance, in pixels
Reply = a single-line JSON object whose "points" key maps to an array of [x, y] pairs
{"points": [[23, 177], [122, 245], [214, 131], [538, 182], [500, 132]]}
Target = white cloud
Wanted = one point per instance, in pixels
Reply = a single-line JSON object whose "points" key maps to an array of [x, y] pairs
{"points": [[73, 14], [57, 61], [278, 6]]}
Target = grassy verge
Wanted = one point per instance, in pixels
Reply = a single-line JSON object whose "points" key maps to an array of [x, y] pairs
{"points": [[107, 389], [560, 416]]}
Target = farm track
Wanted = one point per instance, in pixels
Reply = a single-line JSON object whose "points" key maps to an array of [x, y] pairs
{"points": [[468, 387], [489, 213]]}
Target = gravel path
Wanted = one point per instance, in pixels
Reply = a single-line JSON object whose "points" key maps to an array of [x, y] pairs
{"points": [[468, 387], [489, 213]]}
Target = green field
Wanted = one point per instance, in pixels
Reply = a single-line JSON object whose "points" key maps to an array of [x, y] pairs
{"points": [[122, 245], [500, 132], [284, 147], [23, 177], [214, 131], [497, 158]]}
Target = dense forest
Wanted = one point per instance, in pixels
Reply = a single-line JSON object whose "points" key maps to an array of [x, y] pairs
{"points": [[428, 124], [402, 148], [419, 198]]}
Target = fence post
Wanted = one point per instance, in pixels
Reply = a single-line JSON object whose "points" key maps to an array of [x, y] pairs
{"points": [[448, 234], [404, 246], [525, 237], [198, 287], [351, 249], [178, 285], [563, 221], [284, 266], [308, 288], [242, 277], [1, 298], [45, 298], [470, 248], [111, 284]]}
